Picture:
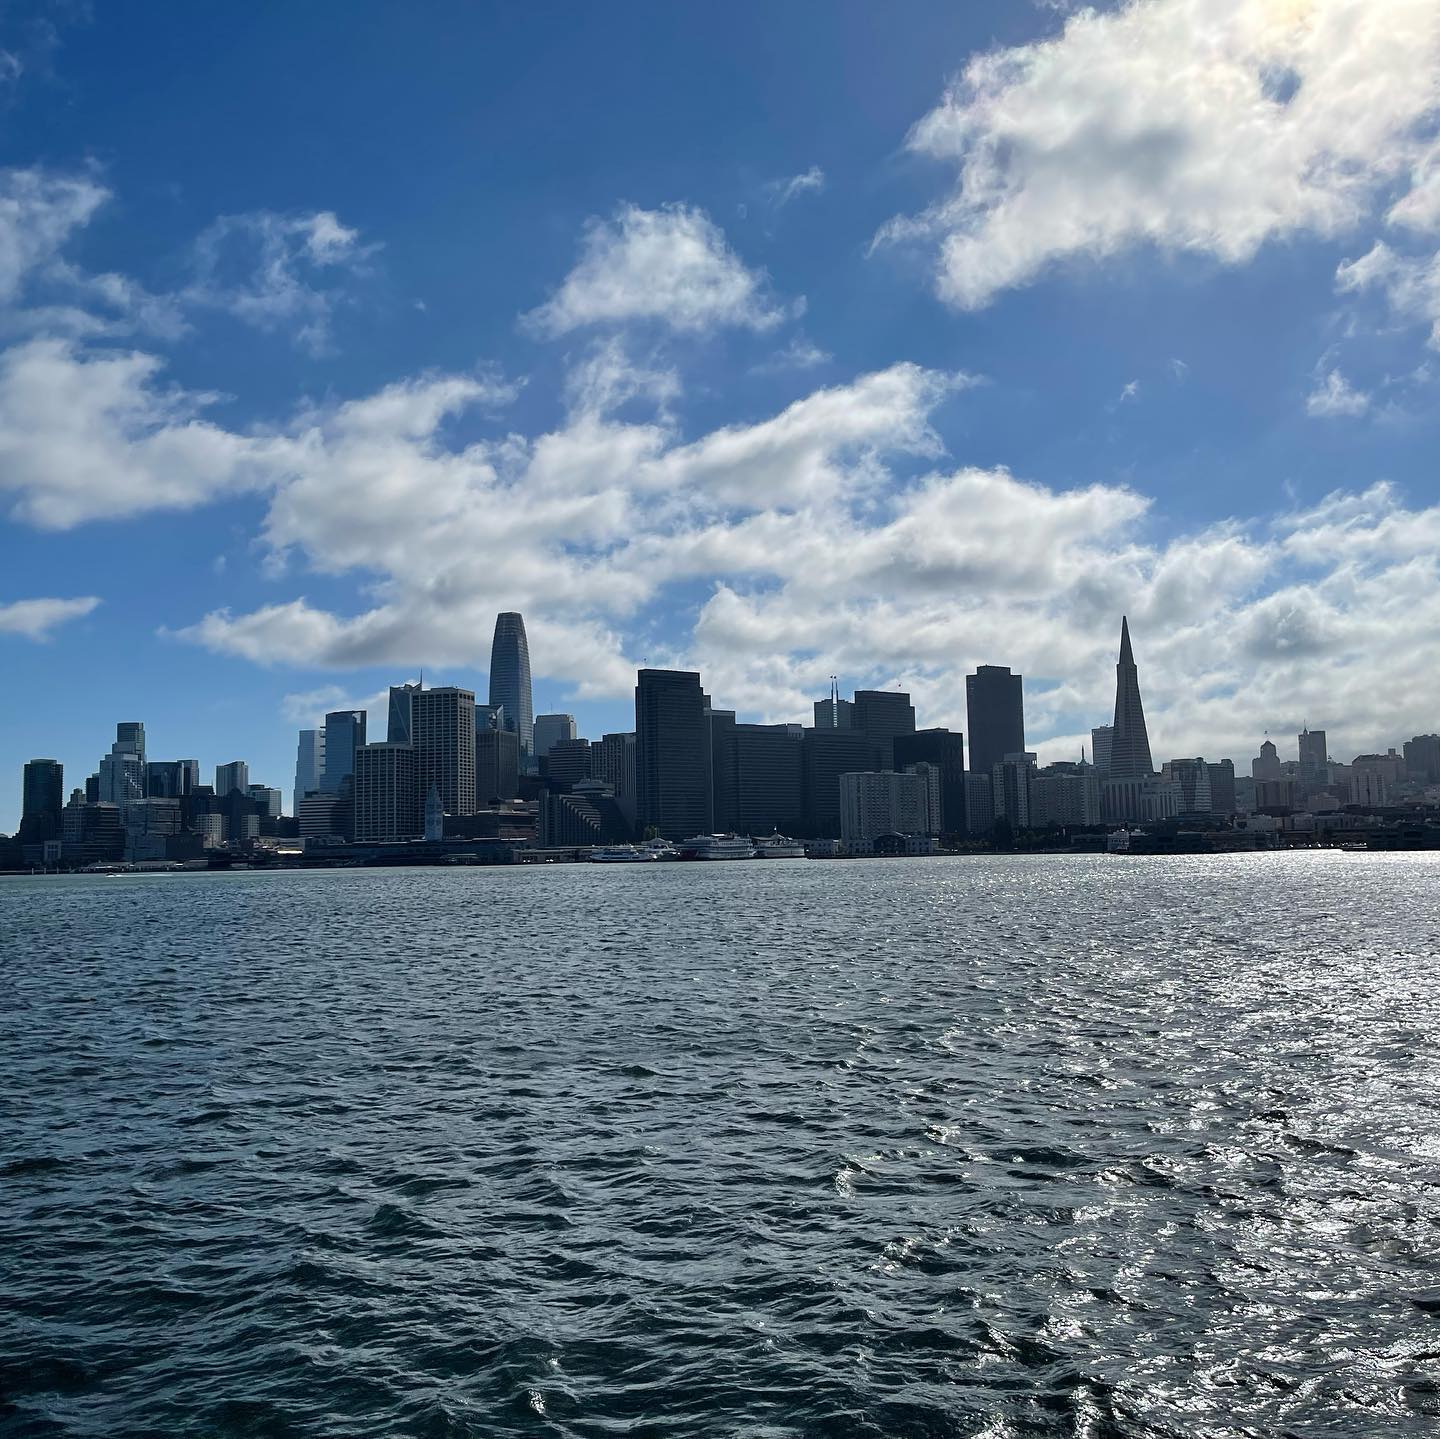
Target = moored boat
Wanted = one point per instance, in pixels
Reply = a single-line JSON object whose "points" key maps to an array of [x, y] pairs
{"points": [[777, 846], [621, 854], [717, 846]]}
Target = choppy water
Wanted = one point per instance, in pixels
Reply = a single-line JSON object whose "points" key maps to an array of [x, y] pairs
{"points": [[992, 1147]]}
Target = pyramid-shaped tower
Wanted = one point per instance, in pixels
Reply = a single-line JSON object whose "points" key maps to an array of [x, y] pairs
{"points": [[1130, 747]]}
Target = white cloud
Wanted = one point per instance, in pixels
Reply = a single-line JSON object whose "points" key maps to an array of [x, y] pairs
{"points": [[1334, 396], [277, 272], [781, 192], [1419, 208], [38, 213], [35, 619], [671, 266], [799, 354], [1410, 283], [1208, 126]]}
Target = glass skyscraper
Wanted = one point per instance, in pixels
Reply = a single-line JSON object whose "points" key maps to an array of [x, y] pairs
{"points": [[510, 679], [995, 714]]}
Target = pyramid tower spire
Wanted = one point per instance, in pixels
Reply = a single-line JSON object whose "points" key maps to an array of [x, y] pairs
{"points": [[1130, 747]]}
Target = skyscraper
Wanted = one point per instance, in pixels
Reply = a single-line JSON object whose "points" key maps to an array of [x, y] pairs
{"points": [[309, 764], [881, 715], [833, 713], [826, 754], [550, 730], [946, 751], [397, 729], [672, 754], [510, 679], [42, 800], [995, 716], [1130, 745], [344, 734], [387, 806], [1314, 756], [171, 778], [1102, 740], [122, 771], [232, 776], [443, 723], [497, 765]]}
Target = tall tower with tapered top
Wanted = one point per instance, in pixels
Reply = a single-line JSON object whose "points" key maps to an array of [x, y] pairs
{"points": [[1130, 743]]}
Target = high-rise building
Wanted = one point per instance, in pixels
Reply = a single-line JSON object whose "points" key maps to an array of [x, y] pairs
{"points": [[1193, 777], [270, 798], [497, 765], [1130, 746], [444, 739], [1010, 784], [488, 716], [834, 713], [826, 754], [769, 788], [881, 715], [171, 778], [876, 803], [946, 751], [1422, 758], [1314, 756], [397, 727], [672, 754], [510, 679], [309, 765], [1102, 741], [232, 776], [1222, 786], [387, 804], [994, 716], [1065, 794], [122, 771], [566, 763], [42, 800], [613, 762], [1266, 765], [344, 734], [550, 730]]}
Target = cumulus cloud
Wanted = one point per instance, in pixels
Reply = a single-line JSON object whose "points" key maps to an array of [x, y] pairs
{"points": [[1334, 396], [1208, 126], [38, 213], [35, 619], [670, 266], [278, 272]]}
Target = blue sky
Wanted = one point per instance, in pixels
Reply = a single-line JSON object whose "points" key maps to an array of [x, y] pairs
{"points": [[775, 340]]}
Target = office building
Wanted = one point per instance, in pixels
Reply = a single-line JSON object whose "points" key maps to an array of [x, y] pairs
{"points": [[270, 799], [1193, 777], [397, 726], [565, 763], [1064, 796], [826, 754], [1314, 757], [324, 816], [41, 801], [488, 716], [1010, 785], [672, 754], [881, 716], [309, 765], [834, 713], [994, 716], [344, 734], [232, 776], [550, 730], [875, 803], [1422, 758], [946, 751], [1222, 787], [122, 771], [769, 782], [612, 760], [444, 738], [1102, 741], [510, 680], [497, 765], [979, 805], [1130, 745], [387, 804], [1266, 765], [171, 778]]}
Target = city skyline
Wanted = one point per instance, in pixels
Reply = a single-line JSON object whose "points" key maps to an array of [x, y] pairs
{"points": [[868, 391]]}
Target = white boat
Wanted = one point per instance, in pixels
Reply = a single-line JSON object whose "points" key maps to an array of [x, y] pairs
{"points": [[717, 846], [658, 849], [622, 854], [777, 846]]}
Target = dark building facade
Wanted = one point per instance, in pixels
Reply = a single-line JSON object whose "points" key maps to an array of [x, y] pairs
{"points": [[497, 765], [826, 754], [566, 763], [769, 779], [42, 800], [995, 716], [881, 716], [672, 754], [946, 751], [510, 679], [1222, 786]]}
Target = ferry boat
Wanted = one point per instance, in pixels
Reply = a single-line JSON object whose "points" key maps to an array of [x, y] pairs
{"points": [[717, 846], [622, 854], [658, 849], [777, 846]]}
